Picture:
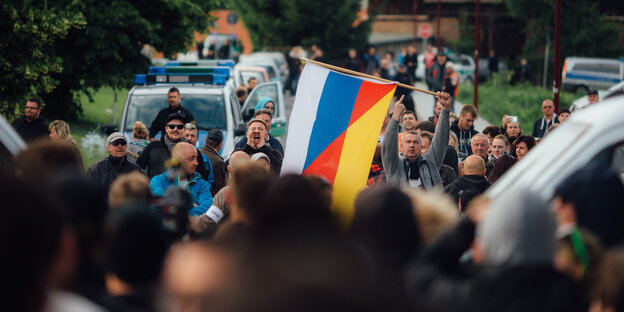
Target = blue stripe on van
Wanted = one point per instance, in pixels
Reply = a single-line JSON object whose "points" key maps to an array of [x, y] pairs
{"points": [[591, 78]]}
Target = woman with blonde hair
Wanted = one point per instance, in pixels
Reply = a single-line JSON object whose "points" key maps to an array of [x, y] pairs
{"points": [[139, 141], [59, 131]]}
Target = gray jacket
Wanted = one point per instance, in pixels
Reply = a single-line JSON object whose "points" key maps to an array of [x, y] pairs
{"points": [[430, 169]]}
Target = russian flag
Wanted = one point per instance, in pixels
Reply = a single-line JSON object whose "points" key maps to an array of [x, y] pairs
{"points": [[333, 131]]}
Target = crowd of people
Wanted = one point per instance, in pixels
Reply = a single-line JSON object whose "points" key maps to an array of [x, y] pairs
{"points": [[161, 225]]}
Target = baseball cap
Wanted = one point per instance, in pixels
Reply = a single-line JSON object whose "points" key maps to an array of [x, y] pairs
{"points": [[115, 136], [257, 156], [215, 135], [177, 116]]}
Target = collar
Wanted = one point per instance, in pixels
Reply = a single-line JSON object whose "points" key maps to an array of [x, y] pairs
{"points": [[116, 161]]}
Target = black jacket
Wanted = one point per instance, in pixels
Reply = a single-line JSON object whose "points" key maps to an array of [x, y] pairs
{"points": [[105, 171], [274, 156], [467, 182], [156, 153], [463, 139], [219, 169], [272, 142], [160, 121], [437, 281], [451, 160], [31, 130]]}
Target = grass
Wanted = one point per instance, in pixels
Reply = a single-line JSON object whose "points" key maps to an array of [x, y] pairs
{"points": [[86, 131], [498, 98]]}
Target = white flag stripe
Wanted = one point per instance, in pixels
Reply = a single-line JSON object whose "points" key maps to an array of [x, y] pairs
{"points": [[302, 117]]}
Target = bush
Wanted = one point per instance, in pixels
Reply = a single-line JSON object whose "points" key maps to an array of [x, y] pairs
{"points": [[498, 98]]}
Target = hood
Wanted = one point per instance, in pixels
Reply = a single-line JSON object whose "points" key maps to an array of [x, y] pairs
{"points": [[477, 181], [518, 229], [455, 127], [263, 102]]}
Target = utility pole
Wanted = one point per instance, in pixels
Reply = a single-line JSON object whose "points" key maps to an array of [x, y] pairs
{"points": [[476, 57], [415, 10], [557, 69], [438, 27]]}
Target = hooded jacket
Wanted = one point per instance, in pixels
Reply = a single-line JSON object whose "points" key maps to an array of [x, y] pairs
{"points": [[263, 102], [463, 139], [197, 187], [429, 168], [467, 182]]}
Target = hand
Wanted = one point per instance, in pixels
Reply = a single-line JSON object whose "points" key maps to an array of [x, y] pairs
{"points": [[444, 99], [399, 108], [505, 121]]}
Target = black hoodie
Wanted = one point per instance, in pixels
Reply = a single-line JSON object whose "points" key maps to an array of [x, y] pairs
{"points": [[463, 139], [467, 182]]}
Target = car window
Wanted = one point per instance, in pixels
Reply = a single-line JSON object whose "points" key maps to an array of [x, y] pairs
{"points": [[235, 108], [613, 69], [270, 90], [245, 75], [208, 109], [613, 157]]}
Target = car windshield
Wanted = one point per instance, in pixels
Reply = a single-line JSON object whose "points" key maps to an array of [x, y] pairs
{"points": [[245, 75], [208, 109]]}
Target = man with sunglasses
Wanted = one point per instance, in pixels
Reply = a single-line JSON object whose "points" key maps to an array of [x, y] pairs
{"points": [[159, 123], [156, 153], [105, 171]]}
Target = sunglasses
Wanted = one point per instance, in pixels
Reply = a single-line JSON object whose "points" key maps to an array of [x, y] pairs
{"points": [[119, 142], [179, 127]]}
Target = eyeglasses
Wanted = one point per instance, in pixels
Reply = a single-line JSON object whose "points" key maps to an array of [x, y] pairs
{"points": [[179, 127], [32, 108], [119, 142]]}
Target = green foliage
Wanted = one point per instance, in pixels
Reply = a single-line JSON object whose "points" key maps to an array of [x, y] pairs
{"points": [[584, 32], [108, 50], [27, 60], [498, 98], [283, 23]]}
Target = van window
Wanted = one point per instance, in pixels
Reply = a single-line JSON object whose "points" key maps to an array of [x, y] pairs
{"points": [[612, 69], [613, 157]]}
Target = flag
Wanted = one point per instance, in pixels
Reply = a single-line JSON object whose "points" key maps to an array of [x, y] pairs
{"points": [[333, 131]]}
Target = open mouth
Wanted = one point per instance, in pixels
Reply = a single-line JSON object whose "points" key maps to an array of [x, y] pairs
{"points": [[256, 137]]}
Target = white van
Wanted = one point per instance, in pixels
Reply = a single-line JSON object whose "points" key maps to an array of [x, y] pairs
{"points": [[583, 73]]}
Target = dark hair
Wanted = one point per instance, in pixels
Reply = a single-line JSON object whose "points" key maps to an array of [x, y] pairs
{"points": [[35, 100], [491, 131], [426, 126], [469, 109], [174, 89], [564, 110], [263, 111], [44, 158], [250, 183], [501, 166], [526, 139], [407, 112], [251, 78], [241, 92]]}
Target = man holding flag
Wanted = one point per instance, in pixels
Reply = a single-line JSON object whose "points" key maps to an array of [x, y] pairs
{"points": [[413, 168]]}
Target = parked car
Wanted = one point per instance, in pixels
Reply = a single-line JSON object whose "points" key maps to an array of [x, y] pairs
{"points": [[583, 73], [582, 102], [594, 135]]}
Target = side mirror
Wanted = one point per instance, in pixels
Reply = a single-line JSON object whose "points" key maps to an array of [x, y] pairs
{"points": [[108, 129], [248, 114], [240, 129]]}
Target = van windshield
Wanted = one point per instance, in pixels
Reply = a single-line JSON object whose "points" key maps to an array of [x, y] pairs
{"points": [[208, 109]]}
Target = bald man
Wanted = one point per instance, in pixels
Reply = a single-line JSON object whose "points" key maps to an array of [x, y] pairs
{"points": [[550, 118], [183, 175], [473, 178]]}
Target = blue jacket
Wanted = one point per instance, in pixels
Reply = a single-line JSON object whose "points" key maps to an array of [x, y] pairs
{"points": [[198, 188]]}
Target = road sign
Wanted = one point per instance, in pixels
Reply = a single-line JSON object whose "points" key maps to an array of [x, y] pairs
{"points": [[424, 30], [232, 18]]}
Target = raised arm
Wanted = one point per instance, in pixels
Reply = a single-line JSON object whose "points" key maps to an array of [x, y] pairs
{"points": [[441, 135]]}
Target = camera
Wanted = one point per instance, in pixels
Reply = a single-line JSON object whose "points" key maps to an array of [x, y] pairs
{"points": [[512, 118]]}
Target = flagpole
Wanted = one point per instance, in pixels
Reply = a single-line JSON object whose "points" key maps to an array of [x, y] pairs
{"points": [[351, 72]]}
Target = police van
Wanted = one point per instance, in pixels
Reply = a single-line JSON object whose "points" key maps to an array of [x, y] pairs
{"points": [[584, 73], [207, 91]]}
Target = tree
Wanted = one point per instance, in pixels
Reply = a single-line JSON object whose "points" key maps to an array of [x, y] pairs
{"points": [[107, 52], [27, 58], [326, 23], [584, 31]]}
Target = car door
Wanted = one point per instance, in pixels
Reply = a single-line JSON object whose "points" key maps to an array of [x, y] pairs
{"points": [[274, 91]]}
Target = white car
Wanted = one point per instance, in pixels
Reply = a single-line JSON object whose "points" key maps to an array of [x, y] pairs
{"points": [[593, 135], [463, 64], [582, 102]]}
